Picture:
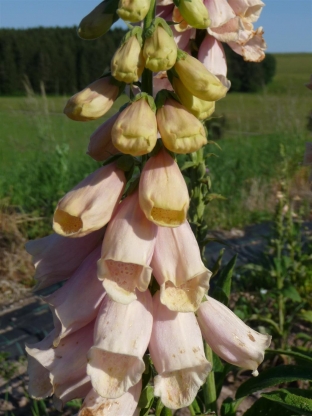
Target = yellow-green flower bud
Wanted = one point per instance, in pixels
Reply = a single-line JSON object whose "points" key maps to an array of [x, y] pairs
{"points": [[135, 130], [92, 102], [195, 13], [133, 10], [199, 108], [198, 80], [181, 131], [127, 64], [160, 51], [99, 21]]}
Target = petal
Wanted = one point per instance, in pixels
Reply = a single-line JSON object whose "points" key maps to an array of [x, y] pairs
{"points": [[127, 252], [95, 405], [56, 258], [178, 268], [83, 288], [253, 49], [72, 390], [89, 206], [176, 348], [100, 145], [227, 32], [163, 193], [248, 9], [122, 333], [219, 12], [229, 337]]}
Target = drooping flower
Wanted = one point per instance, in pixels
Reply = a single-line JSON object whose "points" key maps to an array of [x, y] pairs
{"points": [[83, 288], [98, 21], [90, 204], [101, 146], [135, 130], [198, 80], [121, 336], [127, 252], [127, 63], [133, 10], [199, 108], [56, 258], [92, 102], [163, 193], [229, 337], [96, 405], [179, 270], [180, 130], [176, 348], [160, 50], [60, 371]]}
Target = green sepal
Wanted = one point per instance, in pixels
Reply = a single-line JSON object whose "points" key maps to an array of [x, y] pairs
{"points": [[111, 159], [137, 32], [181, 55], [162, 96], [125, 163], [147, 97], [133, 185], [146, 400], [158, 21], [176, 3], [172, 73]]}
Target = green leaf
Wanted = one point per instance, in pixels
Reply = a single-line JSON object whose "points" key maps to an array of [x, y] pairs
{"points": [[274, 376], [223, 289], [264, 407], [211, 197], [217, 265], [229, 406], [187, 165], [306, 316], [291, 293], [146, 400], [301, 356], [296, 400]]}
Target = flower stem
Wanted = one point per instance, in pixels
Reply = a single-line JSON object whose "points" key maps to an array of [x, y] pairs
{"points": [[147, 76], [209, 388]]}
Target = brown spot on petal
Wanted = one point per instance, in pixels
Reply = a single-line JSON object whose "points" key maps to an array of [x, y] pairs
{"points": [[251, 337], [69, 224]]}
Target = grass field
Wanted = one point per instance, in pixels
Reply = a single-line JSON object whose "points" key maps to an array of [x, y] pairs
{"points": [[43, 152]]}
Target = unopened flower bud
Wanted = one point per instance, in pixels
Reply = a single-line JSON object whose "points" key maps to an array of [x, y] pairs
{"points": [[133, 10], [135, 130], [199, 108], [198, 80], [195, 13], [92, 102], [101, 146], [163, 193], [127, 64], [180, 131], [160, 51], [99, 21]]}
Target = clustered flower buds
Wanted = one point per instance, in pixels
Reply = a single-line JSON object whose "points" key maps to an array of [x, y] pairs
{"points": [[131, 265]]}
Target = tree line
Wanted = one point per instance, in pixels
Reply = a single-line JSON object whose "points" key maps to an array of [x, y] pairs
{"points": [[66, 64]]}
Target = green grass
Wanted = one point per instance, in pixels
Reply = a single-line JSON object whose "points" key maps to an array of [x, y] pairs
{"points": [[43, 152]]}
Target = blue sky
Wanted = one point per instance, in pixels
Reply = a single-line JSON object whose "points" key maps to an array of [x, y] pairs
{"points": [[287, 23]]}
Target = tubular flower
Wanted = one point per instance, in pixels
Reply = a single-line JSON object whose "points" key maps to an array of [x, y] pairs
{"points": [[83, 288], [127, 252], [89, 206], [198, 80], [56, 258], [229, 337], [133, 10], [92, 102], [127, 64], [101, 146], [180, 130], [220, 12], [98, 21], [95, 405], [163, 193], [135, 130], [195, 13], [160, 50], [199, 108], [120, 340], [176, 348], [179, 270], [62, 370]]}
